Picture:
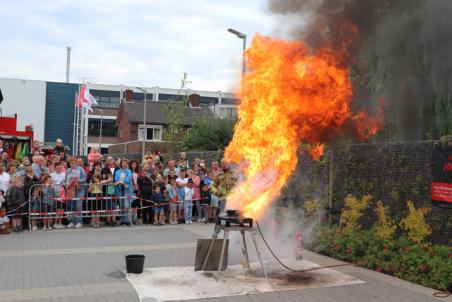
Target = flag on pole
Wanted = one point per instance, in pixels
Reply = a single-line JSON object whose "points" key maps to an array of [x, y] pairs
{"points": [[85, 99], [89, 98]]}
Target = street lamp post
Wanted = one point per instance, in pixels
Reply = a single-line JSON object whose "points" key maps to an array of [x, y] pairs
{"points": [[100, 132], [243, 37], [143, 146]]}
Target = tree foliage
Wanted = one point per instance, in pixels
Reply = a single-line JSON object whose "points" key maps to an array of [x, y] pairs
{"points": [[209, 134], [174, 114]]}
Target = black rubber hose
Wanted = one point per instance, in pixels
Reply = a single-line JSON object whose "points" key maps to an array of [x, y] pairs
{"points": [[289, 268]]}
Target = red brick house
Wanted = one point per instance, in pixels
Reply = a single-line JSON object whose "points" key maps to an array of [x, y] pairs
{"points": [[130, 124]]}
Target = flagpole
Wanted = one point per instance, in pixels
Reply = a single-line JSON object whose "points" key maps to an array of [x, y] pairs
{"points": [[77, 132], [74, 151], [85, 134], [73, 122]]}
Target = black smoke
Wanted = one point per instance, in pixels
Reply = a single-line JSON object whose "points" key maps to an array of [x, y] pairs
{"points": [[402, 53]]}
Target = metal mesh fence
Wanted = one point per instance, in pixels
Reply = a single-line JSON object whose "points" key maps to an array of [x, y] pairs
{"points": [[391, 172]]}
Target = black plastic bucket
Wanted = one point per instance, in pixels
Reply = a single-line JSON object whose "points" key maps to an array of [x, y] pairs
{"points": [[134, 264]]}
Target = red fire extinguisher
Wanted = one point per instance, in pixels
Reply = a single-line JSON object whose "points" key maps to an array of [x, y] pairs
{"points": [[298, 246]]}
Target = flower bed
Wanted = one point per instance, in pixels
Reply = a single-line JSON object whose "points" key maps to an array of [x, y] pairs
{"points": [[396, 248], [428, 265]]}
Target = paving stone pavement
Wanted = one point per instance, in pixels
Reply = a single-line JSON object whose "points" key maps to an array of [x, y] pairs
{"points": [[88, 265]]}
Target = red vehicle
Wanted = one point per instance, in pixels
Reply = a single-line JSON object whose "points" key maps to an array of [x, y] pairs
{"points": [[15, 141]]}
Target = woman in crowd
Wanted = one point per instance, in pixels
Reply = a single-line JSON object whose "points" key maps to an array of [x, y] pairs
{"points": [[135, 168], [183, 161], [124, 185], [94, 152], [197, 192]]}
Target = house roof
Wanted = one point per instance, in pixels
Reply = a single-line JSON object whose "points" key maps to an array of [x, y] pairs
{"points": [[156, 113]]}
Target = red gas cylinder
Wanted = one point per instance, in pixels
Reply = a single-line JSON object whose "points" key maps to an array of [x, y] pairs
{"points": [[298, 246]]}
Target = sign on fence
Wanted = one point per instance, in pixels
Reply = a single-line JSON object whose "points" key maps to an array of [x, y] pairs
{"points": [[441, 185]]}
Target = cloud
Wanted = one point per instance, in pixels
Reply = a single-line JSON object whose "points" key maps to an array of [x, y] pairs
{"points": [[138, 42]]}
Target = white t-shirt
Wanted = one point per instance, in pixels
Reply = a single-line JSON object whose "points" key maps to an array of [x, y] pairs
{"points": [[4, 220], [189, 194], [181, 189], [182, 180], [58, 179], [4, 181]]}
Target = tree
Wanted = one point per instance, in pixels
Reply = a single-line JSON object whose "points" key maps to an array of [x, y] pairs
{"points": [[209, 134], [175, 115]]}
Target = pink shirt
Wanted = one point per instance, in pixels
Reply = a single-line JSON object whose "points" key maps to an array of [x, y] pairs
{"points": [[91, 156], [196, 188]]}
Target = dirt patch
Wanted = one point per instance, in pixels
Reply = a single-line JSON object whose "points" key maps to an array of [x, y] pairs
{"points": [[287, 278]]}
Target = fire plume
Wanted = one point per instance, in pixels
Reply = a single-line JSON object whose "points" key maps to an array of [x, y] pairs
{"points": [[291, 96]]}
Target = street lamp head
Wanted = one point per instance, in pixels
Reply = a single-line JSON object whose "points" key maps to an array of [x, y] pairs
{"points": [[237, 33]]}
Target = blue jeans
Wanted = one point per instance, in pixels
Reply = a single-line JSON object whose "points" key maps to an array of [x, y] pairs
{"points": [[188, 207], [124, 205], [75, 206]]}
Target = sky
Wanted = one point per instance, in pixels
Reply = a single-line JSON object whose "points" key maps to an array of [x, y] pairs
{"points": [[138, 42]]}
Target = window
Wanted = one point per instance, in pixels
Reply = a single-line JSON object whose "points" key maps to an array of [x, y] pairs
{"points": [[106, 98], [229, 101], [109, 128], [170, 97], [139, 96], [208, 100], [229, 113], [153, 133]]}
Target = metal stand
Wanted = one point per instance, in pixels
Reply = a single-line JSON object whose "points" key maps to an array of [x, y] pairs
{"points": [[226, 229]]}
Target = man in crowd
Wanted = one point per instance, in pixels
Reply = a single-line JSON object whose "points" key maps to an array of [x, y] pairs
{"points": [[215, 169], [5, 159], [225, 181], [171, 168]]}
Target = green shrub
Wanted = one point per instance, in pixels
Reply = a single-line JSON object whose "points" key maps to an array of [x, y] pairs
{"points": [[405, 256]]}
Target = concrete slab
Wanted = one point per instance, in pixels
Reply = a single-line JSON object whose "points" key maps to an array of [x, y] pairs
{"points": [[158, 284]]}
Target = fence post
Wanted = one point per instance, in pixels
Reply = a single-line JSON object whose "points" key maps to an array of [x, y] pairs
{"points": [[330, 184]]}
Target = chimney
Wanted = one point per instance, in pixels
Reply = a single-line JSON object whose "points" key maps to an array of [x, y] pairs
{"points": [[68, 62], [128, 95], [194, 100]]}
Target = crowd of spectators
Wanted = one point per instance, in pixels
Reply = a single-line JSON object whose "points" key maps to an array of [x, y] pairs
{"points": [[64, 191]]}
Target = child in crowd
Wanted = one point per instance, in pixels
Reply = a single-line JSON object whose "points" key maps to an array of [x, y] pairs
{"points": [[181, 182], [145, 184], [4, 222], [48, 202], [205, 202], [95, 205], [173, 200], [15, 198], [188, 201], [58, 178], [35, 202], [157, 199], [167, 209], [208, 178]]}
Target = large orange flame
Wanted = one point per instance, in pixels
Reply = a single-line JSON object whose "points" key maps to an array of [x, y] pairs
{"points": [[290, 97]]}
